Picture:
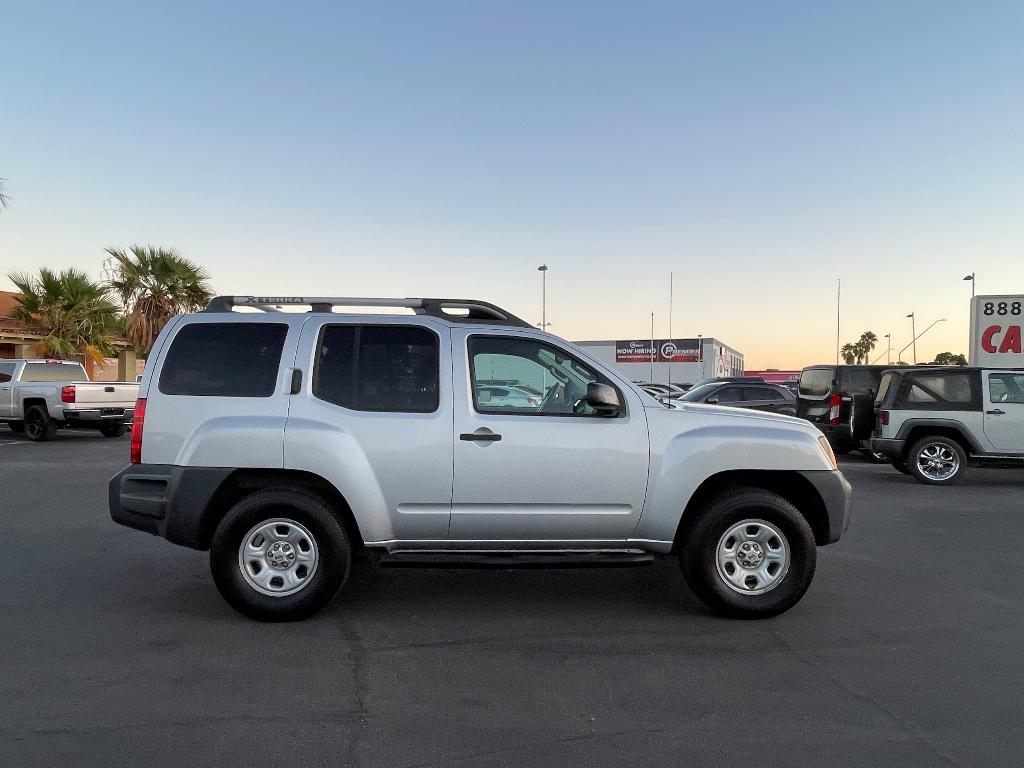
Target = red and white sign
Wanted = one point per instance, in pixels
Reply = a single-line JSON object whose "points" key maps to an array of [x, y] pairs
{"points": [[996, 329]]}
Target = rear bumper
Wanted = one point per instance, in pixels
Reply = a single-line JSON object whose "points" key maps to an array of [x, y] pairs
{"points": [[94, 416], [891, 447], [165, 500], [836, 493]]}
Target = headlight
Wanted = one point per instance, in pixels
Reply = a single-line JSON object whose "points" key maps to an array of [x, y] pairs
{"points": [[823, 442]]}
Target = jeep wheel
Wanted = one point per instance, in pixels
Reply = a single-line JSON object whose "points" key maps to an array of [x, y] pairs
{"points": [[112, 429], [751, 555], [279, 555], [937, 460], [39, 427]]}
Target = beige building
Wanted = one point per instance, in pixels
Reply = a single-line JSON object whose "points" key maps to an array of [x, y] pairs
{"points": [[19, 340]]}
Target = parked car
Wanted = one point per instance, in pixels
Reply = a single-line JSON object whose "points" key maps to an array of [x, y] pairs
{"points": [[839, 400], [761, 397], [283, 442], [934, 423], [38, 397]]}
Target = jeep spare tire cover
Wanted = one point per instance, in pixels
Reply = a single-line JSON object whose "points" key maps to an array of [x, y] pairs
{"points": [[862, 416]]}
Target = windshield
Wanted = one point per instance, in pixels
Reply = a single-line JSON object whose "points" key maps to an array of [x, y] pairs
{"points": [[698, 393]]}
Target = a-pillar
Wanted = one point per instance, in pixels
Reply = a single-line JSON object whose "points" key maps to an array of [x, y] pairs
{"points": [[126, 365]]}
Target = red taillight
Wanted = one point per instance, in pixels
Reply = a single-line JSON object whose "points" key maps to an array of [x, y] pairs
{"points": [[884, 416], [67, 394], [138, 420], [834, 404]]}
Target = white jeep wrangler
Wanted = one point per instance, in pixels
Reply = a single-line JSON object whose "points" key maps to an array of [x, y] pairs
{"points": [[283, 441]]}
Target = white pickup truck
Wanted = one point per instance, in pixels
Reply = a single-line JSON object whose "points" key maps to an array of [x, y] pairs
{"points": [[37, 397]]}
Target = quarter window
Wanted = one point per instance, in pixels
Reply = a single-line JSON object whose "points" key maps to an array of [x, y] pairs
{"points": [[6, 372], [378, 368], [224, 360]]}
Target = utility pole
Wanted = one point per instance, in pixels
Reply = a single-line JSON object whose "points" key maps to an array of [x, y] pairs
{"points": [[652, 347], [670, 293], [839, 287], [543, 269], [913, 335]]}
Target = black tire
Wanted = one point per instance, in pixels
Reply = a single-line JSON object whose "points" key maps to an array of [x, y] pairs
{"points": [[698, 553], [39, 427], [947, 446], [901, 465], [112, 429], [332, 547], [17, 427], [862, 416]]}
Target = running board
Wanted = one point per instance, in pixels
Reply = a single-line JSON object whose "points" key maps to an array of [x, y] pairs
{"points": [[514, 560]]}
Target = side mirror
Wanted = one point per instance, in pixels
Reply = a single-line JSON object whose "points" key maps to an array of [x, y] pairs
{"points": [[603, 399], [712, 401]]}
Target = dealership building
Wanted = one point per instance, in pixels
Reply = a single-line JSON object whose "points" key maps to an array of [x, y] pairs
{"points": [[681, 361]]}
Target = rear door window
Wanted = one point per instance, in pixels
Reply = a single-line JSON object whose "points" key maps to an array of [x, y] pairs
{"points": [[378, 368], [730, 395], [816, 382], [224, 360]]}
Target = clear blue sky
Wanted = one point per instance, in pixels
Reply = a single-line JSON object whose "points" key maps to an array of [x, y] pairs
{"points": [[758, 150]]}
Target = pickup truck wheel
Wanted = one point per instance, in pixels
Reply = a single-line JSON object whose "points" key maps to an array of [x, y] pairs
{"points": [[751, 555], [937, 460], [115, 429], [39, 427], [279, 555]]}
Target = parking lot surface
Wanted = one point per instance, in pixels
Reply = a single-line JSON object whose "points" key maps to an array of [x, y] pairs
{"points": [[117, 649]]}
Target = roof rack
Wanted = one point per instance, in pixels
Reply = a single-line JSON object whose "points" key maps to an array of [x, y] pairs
{"points": [[474, 311]]}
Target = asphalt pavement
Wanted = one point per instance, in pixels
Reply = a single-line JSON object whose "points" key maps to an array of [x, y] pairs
{"points": [[117, 650]]}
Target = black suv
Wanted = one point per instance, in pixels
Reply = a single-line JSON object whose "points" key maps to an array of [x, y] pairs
{"points": [[761, 397], [839, 400]]}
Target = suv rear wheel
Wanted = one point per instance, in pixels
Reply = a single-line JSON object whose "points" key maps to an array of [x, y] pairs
{"points": [[751, 555], [279, 555], [937, 460]]}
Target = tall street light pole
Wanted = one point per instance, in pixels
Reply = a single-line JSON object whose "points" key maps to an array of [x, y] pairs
{"points": [[543, 269], [913, 335], [971, 278], [914, 341], [888, 351]]}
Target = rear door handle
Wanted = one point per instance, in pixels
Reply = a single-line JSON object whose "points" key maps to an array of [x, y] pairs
{"points": [[996, 412], [480, 437]]}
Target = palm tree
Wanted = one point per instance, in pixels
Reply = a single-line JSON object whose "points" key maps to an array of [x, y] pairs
{"points": [[5, 198], [849, 353], [75, 311], [867, 343], [154, 285]]}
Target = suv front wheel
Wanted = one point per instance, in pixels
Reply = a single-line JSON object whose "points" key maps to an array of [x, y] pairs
{"points": [[279, 555], [751, 555], [937, 460]]}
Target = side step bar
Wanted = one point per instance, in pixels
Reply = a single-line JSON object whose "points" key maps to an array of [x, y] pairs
{"points": [[514, 559]]}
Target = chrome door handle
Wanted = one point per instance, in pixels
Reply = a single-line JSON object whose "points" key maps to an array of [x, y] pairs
{"points": [[996, 412]]}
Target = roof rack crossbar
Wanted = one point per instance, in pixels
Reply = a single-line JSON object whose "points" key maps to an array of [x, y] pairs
{"points": [[475, 311]]}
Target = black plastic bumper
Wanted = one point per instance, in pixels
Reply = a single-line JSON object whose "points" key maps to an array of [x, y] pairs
{"points": [[165, 500], [835, 494], [891, 447]]}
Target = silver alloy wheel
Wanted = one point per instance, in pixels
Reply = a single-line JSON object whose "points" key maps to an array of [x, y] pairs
{"points": [[278, 557], [753, 557], [937, 461]]}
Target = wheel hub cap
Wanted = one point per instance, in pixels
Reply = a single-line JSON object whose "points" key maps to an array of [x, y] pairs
{"points": [[749, 554], [280, 555]]}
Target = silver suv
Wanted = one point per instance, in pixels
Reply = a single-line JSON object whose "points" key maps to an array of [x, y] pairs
{"points": [[284, 441]]}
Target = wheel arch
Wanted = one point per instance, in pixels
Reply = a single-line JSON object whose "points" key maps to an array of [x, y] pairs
{"points": [[930, 429], [244, 482], [792, 486]]}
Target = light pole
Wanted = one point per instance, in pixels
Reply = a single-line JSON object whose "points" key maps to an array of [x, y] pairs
{"points": [[914, 340], [888, 350], [913, 336], [971, 278], [543, 269]]}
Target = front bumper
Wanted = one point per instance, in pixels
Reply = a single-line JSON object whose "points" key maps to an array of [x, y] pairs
{"points": [[836, 493], [166, 500]]}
